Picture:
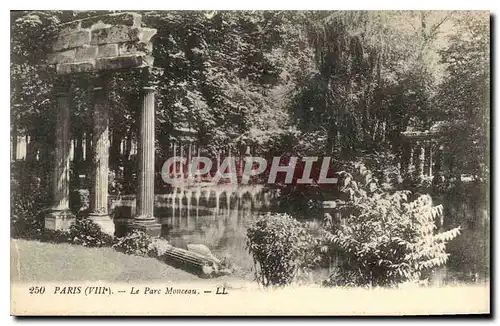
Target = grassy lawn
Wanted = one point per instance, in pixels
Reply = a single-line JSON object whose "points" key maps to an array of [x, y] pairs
{"points": [[38, 261]]}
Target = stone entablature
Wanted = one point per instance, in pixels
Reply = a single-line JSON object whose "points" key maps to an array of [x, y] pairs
{"points": [[102, 43]]}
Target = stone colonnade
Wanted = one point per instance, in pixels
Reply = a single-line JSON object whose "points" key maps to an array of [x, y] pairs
{"points": [[60, 216], [423, 157], [188, 148], [98, 46]]}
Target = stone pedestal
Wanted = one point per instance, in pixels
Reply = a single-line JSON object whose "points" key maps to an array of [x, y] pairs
{"points": [[100, 156], [144, 220], [60, 217]]}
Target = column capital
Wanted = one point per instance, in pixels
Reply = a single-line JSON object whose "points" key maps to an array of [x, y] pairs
{"points": [[151, 77]]}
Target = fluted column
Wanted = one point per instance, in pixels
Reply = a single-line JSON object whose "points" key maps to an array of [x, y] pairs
{"points": [[60, 217], [100, 155], [145, 220], [174, 171], [420, 160], [411, 160], [189, 158], [430, 158]]}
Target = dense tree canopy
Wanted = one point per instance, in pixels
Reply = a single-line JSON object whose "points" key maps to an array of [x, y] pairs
{"points": [[309, 82]]}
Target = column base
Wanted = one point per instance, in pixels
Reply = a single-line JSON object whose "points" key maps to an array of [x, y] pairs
{"points": [[59, 220], [104, 221], [150, 226]]}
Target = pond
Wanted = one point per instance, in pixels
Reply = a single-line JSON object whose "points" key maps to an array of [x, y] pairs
{"points": [[218, 218]]}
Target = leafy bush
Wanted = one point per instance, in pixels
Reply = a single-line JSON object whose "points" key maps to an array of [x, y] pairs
{"points": [[29, 229], [303, 201], [29, 195], [34, 229], [55, 236], [158, 247], [281, 249], [137, 243], [80, 201], [387, 238], [87, 233]]}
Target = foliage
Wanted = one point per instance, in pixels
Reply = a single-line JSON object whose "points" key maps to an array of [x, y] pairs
{"points": [[80, 201], [23, 228], [386, 238], [34, 229], [29, 194], [281, 249], [334, 82], [136, 243], [301, 201], [158, 247], [464, 97], [87, 233]]}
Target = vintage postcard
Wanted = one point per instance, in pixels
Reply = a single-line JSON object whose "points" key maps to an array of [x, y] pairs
{"points": [[250, 163]]}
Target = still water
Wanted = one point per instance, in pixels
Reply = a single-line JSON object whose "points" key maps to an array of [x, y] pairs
{"points": [[216, 217], [219, 216]]}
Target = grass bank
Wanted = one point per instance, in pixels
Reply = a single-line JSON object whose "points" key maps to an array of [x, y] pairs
{"points": [[39, 261]]}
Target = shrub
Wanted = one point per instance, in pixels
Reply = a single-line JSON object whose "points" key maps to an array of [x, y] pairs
{"points": [[303, 201], [87, 233], [281, 249], [29, 229], [386, 239], [137, 243], [34, 229], [29, 196], [80, 201], [55, 236], [158, 247]]}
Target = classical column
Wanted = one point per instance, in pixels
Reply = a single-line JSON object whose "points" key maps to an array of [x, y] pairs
{"points": [[145, 220], [431, 154], [198, 175], [181, 164], [411, 163], [218, 159], [189, 158], [174, 172], [420, 159], [14, 133], [60, 217], [100, 156]]}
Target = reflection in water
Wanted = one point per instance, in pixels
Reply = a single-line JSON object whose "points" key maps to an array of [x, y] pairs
{"points": [[214, 216], [219, 216]]}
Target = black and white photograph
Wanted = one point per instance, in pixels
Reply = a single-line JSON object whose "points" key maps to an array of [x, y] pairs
{"points": [[250, 162]]}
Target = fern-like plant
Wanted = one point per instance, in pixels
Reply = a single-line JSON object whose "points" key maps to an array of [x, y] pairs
{"points": [[385, 239]]}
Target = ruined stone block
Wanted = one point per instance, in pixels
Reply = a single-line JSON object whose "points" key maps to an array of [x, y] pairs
{"points": [[107, 50], [72, 40], [73, 68], [122, 34], [145, 34], [86, 53], [70, 27], [135, 48], [61, 57], [130, 61], [122, 18], [114, 34]]}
